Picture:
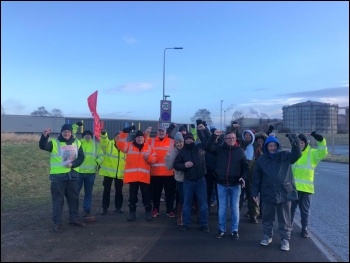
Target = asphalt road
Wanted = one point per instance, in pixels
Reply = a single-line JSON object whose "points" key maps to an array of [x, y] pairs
{"points": [[329, 218]]}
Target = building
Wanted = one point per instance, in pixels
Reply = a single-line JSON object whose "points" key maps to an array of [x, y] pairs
{"points": [[311, 116]]}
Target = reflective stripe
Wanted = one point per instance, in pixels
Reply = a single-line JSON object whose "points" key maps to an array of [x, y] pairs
{"points": [[131, 170], [300, 181]]}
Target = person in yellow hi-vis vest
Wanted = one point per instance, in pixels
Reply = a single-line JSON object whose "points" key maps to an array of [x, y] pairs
{"points": [[303, 171], [112, 169], [66, 156]]}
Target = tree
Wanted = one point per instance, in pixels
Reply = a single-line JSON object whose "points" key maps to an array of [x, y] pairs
{"points": [[41, 111], [2, 110], [56, 113], [204, 115]]}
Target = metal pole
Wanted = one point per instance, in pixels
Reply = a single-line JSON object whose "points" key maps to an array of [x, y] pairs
{"points": [[221, 116], [224, 119], [164, 68]]}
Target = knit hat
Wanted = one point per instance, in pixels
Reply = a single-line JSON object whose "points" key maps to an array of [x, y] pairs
{"points": [[178, 137], [87, 132], [188, 135], [67, 127], [303, 138], [139, 133]]}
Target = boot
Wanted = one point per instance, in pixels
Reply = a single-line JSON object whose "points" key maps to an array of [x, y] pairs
{"points": [[148, 216], [179, 215], [132, 216]]}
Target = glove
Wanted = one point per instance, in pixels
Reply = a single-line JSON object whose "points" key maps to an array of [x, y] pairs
{"points": [[171, 128], [129, 129], [318, 137], [204, 123], [293, 138], [199, 121], [79, 123], [103, 132], [193, 126]]}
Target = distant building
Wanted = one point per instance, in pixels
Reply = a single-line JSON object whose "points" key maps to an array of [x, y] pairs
{"points": [[311, 116]]}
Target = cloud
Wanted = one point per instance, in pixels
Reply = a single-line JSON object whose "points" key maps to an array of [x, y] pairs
{"points": [[329, 92], [132, 87], [130, 40]]}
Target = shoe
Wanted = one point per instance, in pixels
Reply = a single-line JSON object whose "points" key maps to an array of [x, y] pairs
{"points": [[235, 235], [305, 233], [132, 216], [148, 216], [119, 211], [266, 241], [104, 212], [155, 212], [285, 245], [220, 234], [171, 214], [58, 228], [76, 222], [184, 228], [86, 213], [254, 220], [205, 229]]}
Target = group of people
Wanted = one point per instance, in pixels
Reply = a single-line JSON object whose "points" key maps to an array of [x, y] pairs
{"points": [[187, 167]]}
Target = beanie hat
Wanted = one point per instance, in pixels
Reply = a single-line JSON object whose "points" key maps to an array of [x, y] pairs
{"points": [[139, 133], [188, 135], [67, 127], [303, 138], [183, 128], [178, 137], [213, 130], [87, 132]]}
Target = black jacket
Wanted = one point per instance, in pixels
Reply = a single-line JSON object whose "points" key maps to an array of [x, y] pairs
{"points": [[196, 154], [231, 162]]}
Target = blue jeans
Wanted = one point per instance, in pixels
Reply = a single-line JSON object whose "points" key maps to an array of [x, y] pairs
{"points": [[231, 193], [88, 181], [198, 187]]}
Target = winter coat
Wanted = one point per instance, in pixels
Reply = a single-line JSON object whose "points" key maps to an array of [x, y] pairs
{"points": [[273, 177]]}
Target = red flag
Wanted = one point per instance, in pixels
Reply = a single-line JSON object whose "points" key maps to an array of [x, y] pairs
{"points": [[92, 103]]}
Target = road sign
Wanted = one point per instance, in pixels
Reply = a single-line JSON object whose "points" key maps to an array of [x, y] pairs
{"points": [[165, 111]]}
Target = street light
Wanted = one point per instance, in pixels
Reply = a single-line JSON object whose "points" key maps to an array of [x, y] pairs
{"points": [[221, 115], [164, 98]]}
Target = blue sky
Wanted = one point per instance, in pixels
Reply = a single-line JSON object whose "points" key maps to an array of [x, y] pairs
{"points": [[255, 56]]}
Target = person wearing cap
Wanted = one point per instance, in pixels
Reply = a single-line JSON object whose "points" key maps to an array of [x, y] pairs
{"points": [[87, 170], [304, 171], [274, 181], [178, 175], [112, 169], [66, 156], [161, 177], [191, 160], [139, 158]]}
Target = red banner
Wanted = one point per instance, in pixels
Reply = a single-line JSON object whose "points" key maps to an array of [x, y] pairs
{"points": [[92, 103]]}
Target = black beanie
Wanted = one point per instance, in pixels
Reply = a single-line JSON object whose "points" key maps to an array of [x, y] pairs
{"points": [[303, 138], [87, 132], [183, 128], [139, 133], [188, 135], [67, 127]]}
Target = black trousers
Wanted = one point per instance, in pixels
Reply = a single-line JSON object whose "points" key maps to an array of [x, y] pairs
{"points": [[118, 198], [146, 196]]}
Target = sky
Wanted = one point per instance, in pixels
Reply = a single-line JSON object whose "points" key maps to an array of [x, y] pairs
{"points": [[254, 57]]}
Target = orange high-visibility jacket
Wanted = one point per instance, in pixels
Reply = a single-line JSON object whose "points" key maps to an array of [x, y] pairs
{"points": [[137, 169], [161, 147]]}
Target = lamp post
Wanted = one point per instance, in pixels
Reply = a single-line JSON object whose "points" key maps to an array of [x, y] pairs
{"points": [[164, 98], [224, 119], [221, 115]]}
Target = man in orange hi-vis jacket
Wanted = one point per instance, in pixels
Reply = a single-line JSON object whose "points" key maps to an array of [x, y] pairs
{"points": [[139, 158]]}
